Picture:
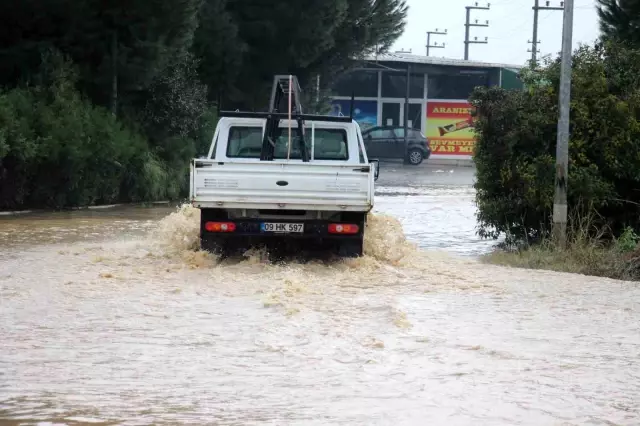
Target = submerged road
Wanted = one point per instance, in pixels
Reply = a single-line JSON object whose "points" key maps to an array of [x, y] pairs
{"points": [[111, 317]]}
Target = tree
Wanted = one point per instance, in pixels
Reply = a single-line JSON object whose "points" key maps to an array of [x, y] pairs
{"points": [[516, 143], [282, 37], [370, 26], [119, 46], [620, 20], [219, 50], [171, 118], [29, 28], [151, 65], [58, 150], [241, 45], [123, 46]]}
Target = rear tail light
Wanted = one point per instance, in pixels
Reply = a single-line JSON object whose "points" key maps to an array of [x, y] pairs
{"points": [[220, 226], [343, 228]]}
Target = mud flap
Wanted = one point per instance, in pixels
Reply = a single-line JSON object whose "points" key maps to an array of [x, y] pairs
{"points": [[351, 248], [212, 245]]}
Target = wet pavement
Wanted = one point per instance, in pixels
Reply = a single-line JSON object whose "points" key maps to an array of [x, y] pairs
{"points": [[435, 205], [113, 317]]}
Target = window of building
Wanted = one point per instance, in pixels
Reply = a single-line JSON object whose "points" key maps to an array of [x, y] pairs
{"points": [[329, 144], [394, 85], [455, 86], [362, 83]]}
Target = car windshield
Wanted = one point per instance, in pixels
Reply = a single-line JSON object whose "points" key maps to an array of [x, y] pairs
{"points": [[329, 144]]}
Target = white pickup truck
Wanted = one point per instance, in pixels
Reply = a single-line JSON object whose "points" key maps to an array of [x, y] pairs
{"points": [[259, 184]]}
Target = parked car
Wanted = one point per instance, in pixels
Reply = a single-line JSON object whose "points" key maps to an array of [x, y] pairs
{"points": [[388, 142]]}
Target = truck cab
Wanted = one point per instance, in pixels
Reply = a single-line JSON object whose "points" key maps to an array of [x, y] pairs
{"points": [[240, 140], [281, 178]]}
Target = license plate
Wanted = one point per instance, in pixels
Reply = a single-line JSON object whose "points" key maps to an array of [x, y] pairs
{"points": [[282, 227]]}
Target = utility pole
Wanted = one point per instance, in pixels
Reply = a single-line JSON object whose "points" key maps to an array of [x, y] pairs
{"points": [[468, 24], [562, 147], [406, 108], [435, 45], [534, 41]]}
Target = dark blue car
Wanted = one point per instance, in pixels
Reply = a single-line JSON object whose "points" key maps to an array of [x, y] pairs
{"points": [[388, 142]]}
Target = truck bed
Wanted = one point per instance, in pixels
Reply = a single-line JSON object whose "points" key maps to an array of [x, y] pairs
{"points": [[281, 185]]}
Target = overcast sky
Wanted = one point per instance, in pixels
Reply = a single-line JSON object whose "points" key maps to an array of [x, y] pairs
{"points": [[510, 27]]}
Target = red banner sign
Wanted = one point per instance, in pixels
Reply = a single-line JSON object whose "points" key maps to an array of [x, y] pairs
{"points": [[450, 128]]}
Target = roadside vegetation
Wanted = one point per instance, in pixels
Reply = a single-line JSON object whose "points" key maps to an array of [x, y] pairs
{"points": [[515, 159], [589, 251], [105, 102]]}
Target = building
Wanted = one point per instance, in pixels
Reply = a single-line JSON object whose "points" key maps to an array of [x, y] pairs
{"points": [[436, 93]]}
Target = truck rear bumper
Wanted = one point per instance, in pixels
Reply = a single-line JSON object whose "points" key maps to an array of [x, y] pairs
{"points": [[254, 229]]}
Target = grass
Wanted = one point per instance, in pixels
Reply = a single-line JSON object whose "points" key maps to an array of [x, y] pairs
{"points": [[587, 253]]}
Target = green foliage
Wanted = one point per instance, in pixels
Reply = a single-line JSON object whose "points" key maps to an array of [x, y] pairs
{"points": [[206, 129], [302, 38], [302, 32], [619, 20], [515, 152], [119, 46], [157, 66], [219, 49], [628, 241], [172, 113], [60, 151]]}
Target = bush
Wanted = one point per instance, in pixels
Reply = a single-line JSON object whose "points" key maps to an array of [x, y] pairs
{"points": [[174, 117], [516, 144], [57, 150]]}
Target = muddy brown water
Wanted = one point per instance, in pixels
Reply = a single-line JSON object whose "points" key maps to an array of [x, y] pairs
{"points": [[114, 317]]}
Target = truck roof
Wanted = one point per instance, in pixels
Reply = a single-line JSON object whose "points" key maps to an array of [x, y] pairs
{"points": [[352, 141], [285, 123]]}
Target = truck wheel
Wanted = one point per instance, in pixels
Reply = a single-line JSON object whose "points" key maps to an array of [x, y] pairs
{"points": [[415, 157], [351, 248], [212, 245]]}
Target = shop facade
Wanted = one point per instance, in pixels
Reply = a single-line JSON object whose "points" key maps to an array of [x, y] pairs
{"points": [[431, 94]]}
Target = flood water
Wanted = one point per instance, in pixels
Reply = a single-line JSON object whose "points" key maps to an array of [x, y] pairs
{"points": [[114, 317]]}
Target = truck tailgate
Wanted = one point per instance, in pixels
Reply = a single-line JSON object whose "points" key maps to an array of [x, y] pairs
{"points": [[267, 185]]}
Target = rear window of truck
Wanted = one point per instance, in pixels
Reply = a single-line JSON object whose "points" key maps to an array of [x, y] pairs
{"points": [[329, 144]]}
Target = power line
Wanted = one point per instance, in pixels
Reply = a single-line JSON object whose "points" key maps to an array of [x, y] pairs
{"points": [[517, 29], [435, 45], [468, 25]]}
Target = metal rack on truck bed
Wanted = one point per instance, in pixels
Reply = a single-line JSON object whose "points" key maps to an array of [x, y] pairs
{"points": [[285, 86], [259, 185]]}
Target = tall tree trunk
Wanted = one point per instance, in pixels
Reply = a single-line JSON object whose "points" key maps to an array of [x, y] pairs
{"points": [[114, 72]]}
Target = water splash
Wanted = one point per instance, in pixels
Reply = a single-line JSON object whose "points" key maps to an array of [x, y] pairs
{"points": [[384, 242], [179, 231]]}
